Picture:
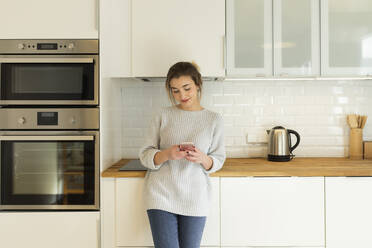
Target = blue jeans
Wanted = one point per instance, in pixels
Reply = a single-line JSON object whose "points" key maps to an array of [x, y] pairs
{"points": [[175, 231]]}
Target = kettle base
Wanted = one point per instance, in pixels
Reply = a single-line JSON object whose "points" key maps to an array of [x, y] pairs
{"points": [[277, 158]]}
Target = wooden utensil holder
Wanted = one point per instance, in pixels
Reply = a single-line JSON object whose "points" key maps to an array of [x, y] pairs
{"points": [[356, 143]]}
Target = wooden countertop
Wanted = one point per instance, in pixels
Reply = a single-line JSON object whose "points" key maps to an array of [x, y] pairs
{"points": [[302, 167]]}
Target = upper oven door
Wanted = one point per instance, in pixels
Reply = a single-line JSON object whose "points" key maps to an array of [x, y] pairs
{"points": [[49, 79]]}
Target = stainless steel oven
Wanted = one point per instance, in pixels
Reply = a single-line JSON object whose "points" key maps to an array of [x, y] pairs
{"points": [[49, 158], [49, 72]]}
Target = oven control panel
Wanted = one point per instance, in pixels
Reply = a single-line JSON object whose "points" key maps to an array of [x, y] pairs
{"points": [[73, 46], [74, 118], [67, 46]]}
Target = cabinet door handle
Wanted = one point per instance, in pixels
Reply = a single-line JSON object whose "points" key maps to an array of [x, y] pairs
{"points": [[96, 24], [260, 75]]}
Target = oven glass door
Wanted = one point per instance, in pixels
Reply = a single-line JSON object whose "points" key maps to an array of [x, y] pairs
{"points": [[46, 171], [50, 80]]}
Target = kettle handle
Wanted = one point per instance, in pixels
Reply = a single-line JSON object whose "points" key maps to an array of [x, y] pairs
{"points": [[297, 141]]}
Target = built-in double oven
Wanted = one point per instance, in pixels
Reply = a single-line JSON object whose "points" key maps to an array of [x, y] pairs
{"points": [[49, 125]]}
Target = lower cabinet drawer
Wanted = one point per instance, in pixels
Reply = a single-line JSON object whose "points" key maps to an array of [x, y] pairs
{"points": [[50, 229]]}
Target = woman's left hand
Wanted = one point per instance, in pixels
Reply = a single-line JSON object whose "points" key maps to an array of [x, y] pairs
{"points": [[199, 157]]}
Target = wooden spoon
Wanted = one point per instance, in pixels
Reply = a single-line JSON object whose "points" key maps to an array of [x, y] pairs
{"points": [[353, 121], [364, 120]]}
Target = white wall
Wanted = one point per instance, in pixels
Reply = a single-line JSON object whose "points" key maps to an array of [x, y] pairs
{"points": [[315, 109]]}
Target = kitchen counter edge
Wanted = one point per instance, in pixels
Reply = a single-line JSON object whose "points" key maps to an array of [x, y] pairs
{"points": [[260, 167]]}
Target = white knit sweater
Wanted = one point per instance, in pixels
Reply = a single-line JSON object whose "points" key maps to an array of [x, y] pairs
{"points": [[180, 186]]}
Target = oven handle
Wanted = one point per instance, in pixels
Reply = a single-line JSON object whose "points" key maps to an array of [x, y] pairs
{"points": [[42, 138], [1, 165], [46, 60]]}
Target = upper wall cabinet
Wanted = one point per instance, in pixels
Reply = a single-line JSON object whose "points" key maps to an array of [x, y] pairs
{"points": [[167, 31], [296, 38], [249, 37], [115, 38], [250, 50], [40, 19], [346, 37]]}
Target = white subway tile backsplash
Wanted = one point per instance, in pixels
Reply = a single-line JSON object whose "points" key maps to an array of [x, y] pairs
{"points": [[233, 131], [294, 110], [273, 91], [129, 152], [343, 100], [243, 100], [133, 142], [260, 100], [232, 90], [228, 120], [325, 100], [254, 91], [234, 111], [213, 88], [276, 110], [223, 100], [302, 100], [229, 141], [315, 109], [132, 132], [244, 122], [283, 100]]}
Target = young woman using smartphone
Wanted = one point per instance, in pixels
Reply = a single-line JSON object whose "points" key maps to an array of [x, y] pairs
{"points": [[177, 186]]}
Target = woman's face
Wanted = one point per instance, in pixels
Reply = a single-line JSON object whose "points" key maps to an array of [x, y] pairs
{"points": [[185, 91]]}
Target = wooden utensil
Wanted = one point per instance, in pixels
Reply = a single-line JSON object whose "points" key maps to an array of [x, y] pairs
{"points": [[364, 120], [353, 121]]}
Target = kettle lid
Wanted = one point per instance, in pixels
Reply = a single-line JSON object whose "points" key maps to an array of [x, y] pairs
{"points": [[278, 127]]}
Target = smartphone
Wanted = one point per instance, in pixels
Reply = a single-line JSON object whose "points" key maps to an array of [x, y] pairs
{"points": [[187, 146]]}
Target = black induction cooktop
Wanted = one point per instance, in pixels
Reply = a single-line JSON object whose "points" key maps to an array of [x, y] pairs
{"points": [[133, 165]]}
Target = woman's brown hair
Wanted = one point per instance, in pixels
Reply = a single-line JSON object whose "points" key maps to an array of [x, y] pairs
{"points": [[184, 69]]}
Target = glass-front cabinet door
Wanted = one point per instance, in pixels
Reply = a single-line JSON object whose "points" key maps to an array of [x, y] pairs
{"points": [[296, 37], [249, 37], [346, 37]]}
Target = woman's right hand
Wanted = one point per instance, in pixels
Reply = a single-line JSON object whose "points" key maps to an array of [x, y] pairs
{"points": [[174, 153]]}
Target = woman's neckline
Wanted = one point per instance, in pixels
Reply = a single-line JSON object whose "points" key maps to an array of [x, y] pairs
{"points": [[190, 111]]}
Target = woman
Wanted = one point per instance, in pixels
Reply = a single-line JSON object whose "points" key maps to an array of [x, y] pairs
{"points": [[177, 186]]}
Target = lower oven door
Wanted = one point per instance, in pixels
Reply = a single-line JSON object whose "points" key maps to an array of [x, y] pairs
{"points": [[45, 170]]}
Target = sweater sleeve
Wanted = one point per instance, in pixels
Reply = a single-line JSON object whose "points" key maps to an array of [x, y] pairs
{"points": [[217, 149], [152, 143]]}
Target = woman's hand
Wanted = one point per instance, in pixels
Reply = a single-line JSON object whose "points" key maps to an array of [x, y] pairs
{"points": [[174, 153], [199, 157]]}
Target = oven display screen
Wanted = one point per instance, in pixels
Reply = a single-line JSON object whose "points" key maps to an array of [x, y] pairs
{"points": [[47, 118], [47, 46]]}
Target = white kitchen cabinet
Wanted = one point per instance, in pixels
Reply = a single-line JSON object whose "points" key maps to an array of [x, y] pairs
{"points": [[115, 38], [40, 19], [168, 31], [50, 229], [132, 227], [348, 212], [346, 37], [296, 38], [285, 211], [249, 37]]}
